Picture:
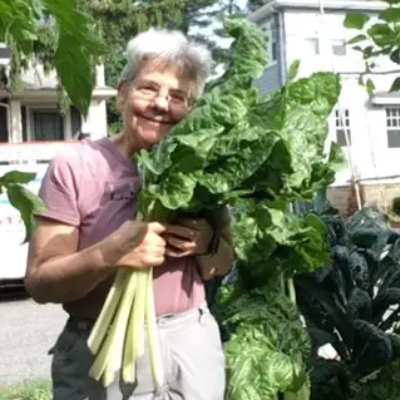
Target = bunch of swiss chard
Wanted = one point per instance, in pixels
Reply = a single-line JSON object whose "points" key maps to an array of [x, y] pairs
{"points": [[348, 306], [255, 155]]}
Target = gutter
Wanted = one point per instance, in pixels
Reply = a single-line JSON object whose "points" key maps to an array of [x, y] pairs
{"points": [[264, 11], [340, 5]]}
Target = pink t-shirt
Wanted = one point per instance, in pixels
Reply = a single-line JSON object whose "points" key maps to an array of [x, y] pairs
{"points": [[94, 187]]}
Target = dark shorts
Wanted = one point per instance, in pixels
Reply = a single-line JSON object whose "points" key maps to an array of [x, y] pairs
{"points": [[192, 358]]}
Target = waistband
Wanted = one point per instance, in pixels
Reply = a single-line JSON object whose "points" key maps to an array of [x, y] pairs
{"points": [[167, 320]]}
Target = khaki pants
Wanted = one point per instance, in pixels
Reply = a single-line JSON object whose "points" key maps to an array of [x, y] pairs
{"points": [[192, 358]]}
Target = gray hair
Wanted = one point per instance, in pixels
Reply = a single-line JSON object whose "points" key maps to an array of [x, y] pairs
{"points": [[172, 47]]}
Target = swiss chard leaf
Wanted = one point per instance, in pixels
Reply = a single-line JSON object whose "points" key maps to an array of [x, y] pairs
{"points": [[267, 346], [27, 203]]}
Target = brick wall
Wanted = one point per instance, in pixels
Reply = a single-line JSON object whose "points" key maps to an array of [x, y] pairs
{"points": [[372, 195]]}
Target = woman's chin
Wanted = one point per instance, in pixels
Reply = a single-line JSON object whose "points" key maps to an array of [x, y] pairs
{"points": [[151, 139]]}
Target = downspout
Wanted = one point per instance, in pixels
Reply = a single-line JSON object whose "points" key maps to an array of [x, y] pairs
{"points": [[8, 119]]}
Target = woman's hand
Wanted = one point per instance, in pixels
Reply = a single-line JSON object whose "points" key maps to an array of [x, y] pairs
{"points": [[192, 237], [136, 245]]}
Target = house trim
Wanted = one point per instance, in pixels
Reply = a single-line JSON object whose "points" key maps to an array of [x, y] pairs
{"points": [[275, 5], [98, 94], [385, 100]]}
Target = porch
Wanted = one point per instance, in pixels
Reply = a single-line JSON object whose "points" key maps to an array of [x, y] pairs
{"points": [[32, 116]]}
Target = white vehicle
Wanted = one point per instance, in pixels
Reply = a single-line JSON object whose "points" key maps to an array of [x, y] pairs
{"points": [[32, 157], [12, 230]]}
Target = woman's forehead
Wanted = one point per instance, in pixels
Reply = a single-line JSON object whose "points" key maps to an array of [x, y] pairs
{"points": [[165, 74]]}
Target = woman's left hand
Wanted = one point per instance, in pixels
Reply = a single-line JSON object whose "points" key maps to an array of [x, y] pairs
{"points": [[190, 238]]}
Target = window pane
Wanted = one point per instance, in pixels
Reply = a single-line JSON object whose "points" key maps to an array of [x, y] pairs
{"points": [[48, 126], [342, 118], [339, 48], [393, 138], [274, 51], [341, 137], [312, 46]]}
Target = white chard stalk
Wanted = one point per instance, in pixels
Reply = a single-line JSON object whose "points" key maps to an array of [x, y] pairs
{"points": [[118, 337]]}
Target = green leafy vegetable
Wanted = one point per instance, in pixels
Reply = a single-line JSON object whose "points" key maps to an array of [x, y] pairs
{"points": [[27, 203], [348, 304], [255, 154]]}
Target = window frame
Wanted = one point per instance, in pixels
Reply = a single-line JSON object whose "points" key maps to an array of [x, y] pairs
{"points": [[342, 116], [335, 44], [272, 42], [31, 109], [392, 118], [315, 39]]}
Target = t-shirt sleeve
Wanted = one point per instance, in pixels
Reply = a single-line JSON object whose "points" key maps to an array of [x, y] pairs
{"points": [[59, 191]]}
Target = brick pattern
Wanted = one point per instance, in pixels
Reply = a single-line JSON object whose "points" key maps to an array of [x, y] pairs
{"points": [[372, 195]]}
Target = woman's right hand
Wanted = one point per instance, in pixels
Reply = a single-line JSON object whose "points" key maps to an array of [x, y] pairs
{"points": [[136, 245]]}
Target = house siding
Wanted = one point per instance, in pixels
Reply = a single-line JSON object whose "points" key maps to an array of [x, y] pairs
{"points": [[269, 81]]}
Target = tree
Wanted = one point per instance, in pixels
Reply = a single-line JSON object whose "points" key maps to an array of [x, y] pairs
{"points": [[373, 40], [76, 49]]}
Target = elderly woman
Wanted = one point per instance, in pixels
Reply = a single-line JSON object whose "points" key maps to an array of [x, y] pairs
{"points": [[87, 232]]}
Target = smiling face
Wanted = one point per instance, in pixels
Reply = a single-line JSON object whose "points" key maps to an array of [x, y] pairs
{"points": [[153, 103]]}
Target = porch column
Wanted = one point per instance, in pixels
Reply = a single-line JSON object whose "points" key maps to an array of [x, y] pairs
{"points": [[15, 134]]}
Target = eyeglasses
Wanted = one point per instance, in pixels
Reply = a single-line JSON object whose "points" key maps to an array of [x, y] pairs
{"points": [[151, 91]]}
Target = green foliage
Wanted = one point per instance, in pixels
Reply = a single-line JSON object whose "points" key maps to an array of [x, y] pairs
{"points": [[69, 42], [266, 349], [349, 303], [380, 38], [383, 385], [256, 154], [21, 198], [26, 390]]}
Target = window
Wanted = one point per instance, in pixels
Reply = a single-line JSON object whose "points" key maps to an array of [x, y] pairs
{"points": [[393, 127], [312, 46], [274, 49], [47, 125], [339, 47], [342, 127], [272, 41]]}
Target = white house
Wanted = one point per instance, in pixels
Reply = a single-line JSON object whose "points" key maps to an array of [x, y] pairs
{"points": [[312, 31]]}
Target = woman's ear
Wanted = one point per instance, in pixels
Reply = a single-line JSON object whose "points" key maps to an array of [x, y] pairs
{"points": [[122, 94]]}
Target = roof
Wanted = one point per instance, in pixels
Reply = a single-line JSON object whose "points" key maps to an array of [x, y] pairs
{"points": [[386, 98], [338, 5]]}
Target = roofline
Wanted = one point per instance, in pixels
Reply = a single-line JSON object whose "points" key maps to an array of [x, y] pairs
{"points": [[99, 93], [274, 5]]}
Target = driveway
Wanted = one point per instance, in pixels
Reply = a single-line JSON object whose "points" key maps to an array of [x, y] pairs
{"points": [[27, 331]]}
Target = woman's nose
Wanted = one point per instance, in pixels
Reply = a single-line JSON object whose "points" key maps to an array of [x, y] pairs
{"points": [[161, 102]]}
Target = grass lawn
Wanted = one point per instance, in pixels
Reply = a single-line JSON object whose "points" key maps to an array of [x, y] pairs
{"points": [[28, 390]]}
